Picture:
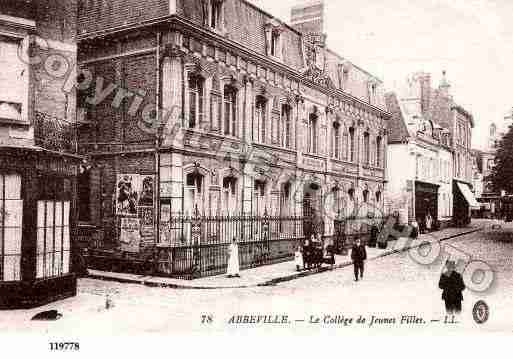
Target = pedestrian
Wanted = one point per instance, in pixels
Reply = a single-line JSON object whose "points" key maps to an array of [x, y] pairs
{"points": [[414, 230], [452, 285], [298, 259], [233, 259], [429, 222], [358, 256], [374, 232], [306, 254]]}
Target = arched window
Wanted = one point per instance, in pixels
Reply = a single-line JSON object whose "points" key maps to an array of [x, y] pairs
{"points": [[230, 111], [378, 152], [196, 97], [285, 126], [365, 196], [259, 203], [286, 207], [350, 208], [378, 196], [345, 144], [194, 193], [229, 197], [337, 201], [261, 118], [352, 143], [366, 148], [312, 134], [335, 145], [350, 193]]}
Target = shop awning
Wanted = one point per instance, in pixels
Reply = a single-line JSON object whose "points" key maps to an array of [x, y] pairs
{"points": [[469, 196]]}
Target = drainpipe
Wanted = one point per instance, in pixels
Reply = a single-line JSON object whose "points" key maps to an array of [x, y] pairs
{"points": [[156, 194]]}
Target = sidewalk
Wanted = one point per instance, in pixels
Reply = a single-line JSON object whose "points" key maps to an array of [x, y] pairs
{"points": [[280, 272]]}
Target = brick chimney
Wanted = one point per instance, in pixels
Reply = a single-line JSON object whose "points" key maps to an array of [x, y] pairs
{"points": [[425, 91], [417, 93], [308, 17]]}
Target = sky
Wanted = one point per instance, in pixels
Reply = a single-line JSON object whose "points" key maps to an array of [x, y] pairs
{"points": [[472, 40]]}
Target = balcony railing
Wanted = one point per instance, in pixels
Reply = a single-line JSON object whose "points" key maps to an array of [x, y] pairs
{"points": [[55, 134]]}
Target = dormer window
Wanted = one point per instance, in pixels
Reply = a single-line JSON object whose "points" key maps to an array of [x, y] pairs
{"points": [[372, 90], [343, 77], [273, 39], [215, 14]]}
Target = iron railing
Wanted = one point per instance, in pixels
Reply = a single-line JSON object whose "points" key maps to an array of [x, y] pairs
{"points": [[197, 246], [54, 133]]}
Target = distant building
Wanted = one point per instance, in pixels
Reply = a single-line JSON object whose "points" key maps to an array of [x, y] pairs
{"points": [[432, 134], [477, 174], [420, 158], [490, 199]]}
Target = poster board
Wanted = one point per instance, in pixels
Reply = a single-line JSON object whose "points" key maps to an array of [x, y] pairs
{"points": [[128, 188], [130, 237]]}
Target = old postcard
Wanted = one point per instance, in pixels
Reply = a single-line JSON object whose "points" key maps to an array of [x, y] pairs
{"points": [[177, 167]]}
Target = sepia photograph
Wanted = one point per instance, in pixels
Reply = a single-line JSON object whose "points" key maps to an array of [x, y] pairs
{"points": [[255, 167]]}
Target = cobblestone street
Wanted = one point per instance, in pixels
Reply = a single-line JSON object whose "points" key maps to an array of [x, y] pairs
{"points": [[393, 286]]}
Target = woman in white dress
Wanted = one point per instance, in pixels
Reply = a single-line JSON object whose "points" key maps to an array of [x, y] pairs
{"points": [[298, 259], [429, 222], [233, 259]]}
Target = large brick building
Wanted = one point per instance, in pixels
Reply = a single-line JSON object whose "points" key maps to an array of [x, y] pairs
{"points": [[38, 161], [253, 117]]}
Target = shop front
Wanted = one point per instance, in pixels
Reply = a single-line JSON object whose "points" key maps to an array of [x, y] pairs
{"points": [[37, 226], [426, 204], [464, 202]]}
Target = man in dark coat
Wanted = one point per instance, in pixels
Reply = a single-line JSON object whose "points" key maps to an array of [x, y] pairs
{"points": [[358, 256], [451, 283]]}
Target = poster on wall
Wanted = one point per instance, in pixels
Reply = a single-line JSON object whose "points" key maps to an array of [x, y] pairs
{"points": [[165, 229], [130, 237], [147, 190], [146, 215], [127, 194]]}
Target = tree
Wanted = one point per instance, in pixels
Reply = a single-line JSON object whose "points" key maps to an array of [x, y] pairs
{"points": [[501, 176]]}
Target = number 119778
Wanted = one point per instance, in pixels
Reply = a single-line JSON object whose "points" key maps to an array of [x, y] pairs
{"points": [[68, 346]]}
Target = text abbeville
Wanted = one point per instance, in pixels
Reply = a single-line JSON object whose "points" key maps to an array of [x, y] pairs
{"points": [[259, 319]]}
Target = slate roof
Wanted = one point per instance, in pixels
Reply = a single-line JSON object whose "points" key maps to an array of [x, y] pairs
{"points": [[397, 129]]}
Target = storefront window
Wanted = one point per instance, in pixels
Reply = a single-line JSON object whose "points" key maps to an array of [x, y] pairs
{"points": [[53, 229], [11, 214], [53, 240]]}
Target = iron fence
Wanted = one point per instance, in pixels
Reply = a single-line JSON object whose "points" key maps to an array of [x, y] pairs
{"points": [[197, 246]]}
